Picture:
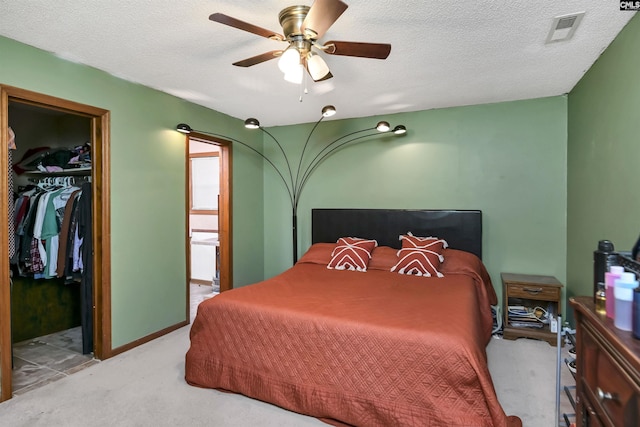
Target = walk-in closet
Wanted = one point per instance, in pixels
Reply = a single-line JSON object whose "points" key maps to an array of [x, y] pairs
{"points": [[50, 243], [55, 298]]}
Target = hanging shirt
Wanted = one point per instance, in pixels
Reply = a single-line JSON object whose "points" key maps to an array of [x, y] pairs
{"points": [[37, 226], [64, 234], [20, 212], [77, 250], [25, 256], [52, 226]]}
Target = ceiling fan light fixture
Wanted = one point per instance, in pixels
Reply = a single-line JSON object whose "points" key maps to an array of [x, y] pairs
{"points": [[328, 111], [251, 123], [318, 68], [184, 128], [295, 75], [400, 130], [383, 126], [302, 27], [289, 60]]}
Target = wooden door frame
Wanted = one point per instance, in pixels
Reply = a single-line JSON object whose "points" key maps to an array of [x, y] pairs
{"points": [[224, 212], [100, 171]]}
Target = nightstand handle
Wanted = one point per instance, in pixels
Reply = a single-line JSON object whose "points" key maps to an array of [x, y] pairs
{"points": [[533, 291], [603, 395]]}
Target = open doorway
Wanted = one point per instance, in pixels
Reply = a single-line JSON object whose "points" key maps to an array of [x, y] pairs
{"points": [[91, 125], [208, 219]]}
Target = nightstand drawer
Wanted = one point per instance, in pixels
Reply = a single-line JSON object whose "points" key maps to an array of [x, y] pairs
{"points": [[609, 385], [533, 291]]}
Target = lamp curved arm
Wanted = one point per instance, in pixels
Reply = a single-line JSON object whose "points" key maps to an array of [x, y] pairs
{"points": [[286, 159], [313, 166], [298, 189], [289, 190], [304, 148]]}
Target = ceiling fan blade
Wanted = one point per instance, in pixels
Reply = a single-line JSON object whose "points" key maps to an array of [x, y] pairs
{"points": [[241, 25], [258, 58], [321, 16], [362, 50]]}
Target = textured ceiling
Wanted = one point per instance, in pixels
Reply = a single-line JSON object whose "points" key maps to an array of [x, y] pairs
{"points": [[444, 53]]}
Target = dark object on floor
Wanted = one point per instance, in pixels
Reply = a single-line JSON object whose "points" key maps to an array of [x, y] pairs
{"points": [[41, 307]]}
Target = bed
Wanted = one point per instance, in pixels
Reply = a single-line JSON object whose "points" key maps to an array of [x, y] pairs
{"points": [[362, 348]]}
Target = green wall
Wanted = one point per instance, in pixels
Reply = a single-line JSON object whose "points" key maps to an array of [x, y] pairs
{"points": [[148, 268], [507, 159], [604, 157], [552, 176]]}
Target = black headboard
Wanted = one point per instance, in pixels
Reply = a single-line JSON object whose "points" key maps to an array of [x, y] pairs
{"points": [[462, 229]]}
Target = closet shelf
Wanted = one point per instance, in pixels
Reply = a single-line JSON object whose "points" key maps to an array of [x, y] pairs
{"points": [[65, 172]]}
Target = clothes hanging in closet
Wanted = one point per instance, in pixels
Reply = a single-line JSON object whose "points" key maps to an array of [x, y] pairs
{"points": [[53, 227], [39, 215]]}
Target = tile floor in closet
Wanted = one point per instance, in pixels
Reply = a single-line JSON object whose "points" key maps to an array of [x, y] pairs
{"points": [[42, 360]]}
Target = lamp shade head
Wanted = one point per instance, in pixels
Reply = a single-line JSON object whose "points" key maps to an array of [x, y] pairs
{"points": [[295, 74], [251, 123], [328, 111], [400, 130], [317, 67], [184, 128], [289, 60], [383, 126]]}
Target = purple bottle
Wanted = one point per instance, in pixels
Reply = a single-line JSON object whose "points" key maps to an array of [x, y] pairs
{"points": [[609, 283]]}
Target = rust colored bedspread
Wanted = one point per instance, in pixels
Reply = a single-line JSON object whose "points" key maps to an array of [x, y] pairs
{"points": [[365, 349]]}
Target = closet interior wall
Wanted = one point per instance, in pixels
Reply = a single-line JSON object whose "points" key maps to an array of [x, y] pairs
{"points": [[43, 306]]}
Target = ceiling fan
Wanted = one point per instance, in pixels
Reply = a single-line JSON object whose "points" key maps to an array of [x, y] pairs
{"points": [[302, 27]]}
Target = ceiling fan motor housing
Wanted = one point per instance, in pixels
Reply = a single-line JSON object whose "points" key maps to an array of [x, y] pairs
{"points": [[291, 19]]}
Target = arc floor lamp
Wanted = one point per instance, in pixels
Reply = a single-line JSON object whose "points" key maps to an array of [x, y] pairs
{"points": [[294, 180]]}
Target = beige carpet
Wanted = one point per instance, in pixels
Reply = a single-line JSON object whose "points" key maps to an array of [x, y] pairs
{"points": [[146, 387]]}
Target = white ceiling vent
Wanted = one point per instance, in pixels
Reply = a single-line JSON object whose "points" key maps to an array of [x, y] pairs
{"points": [[563, 27]]}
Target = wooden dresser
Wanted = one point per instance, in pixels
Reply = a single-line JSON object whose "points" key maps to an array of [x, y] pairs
{"points": [[608, 370]]}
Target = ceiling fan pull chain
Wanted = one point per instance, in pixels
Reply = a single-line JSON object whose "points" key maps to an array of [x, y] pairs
{"points": [[303, 87]]}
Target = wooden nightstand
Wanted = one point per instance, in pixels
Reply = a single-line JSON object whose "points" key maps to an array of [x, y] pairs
{"points": [[530, 291]]}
